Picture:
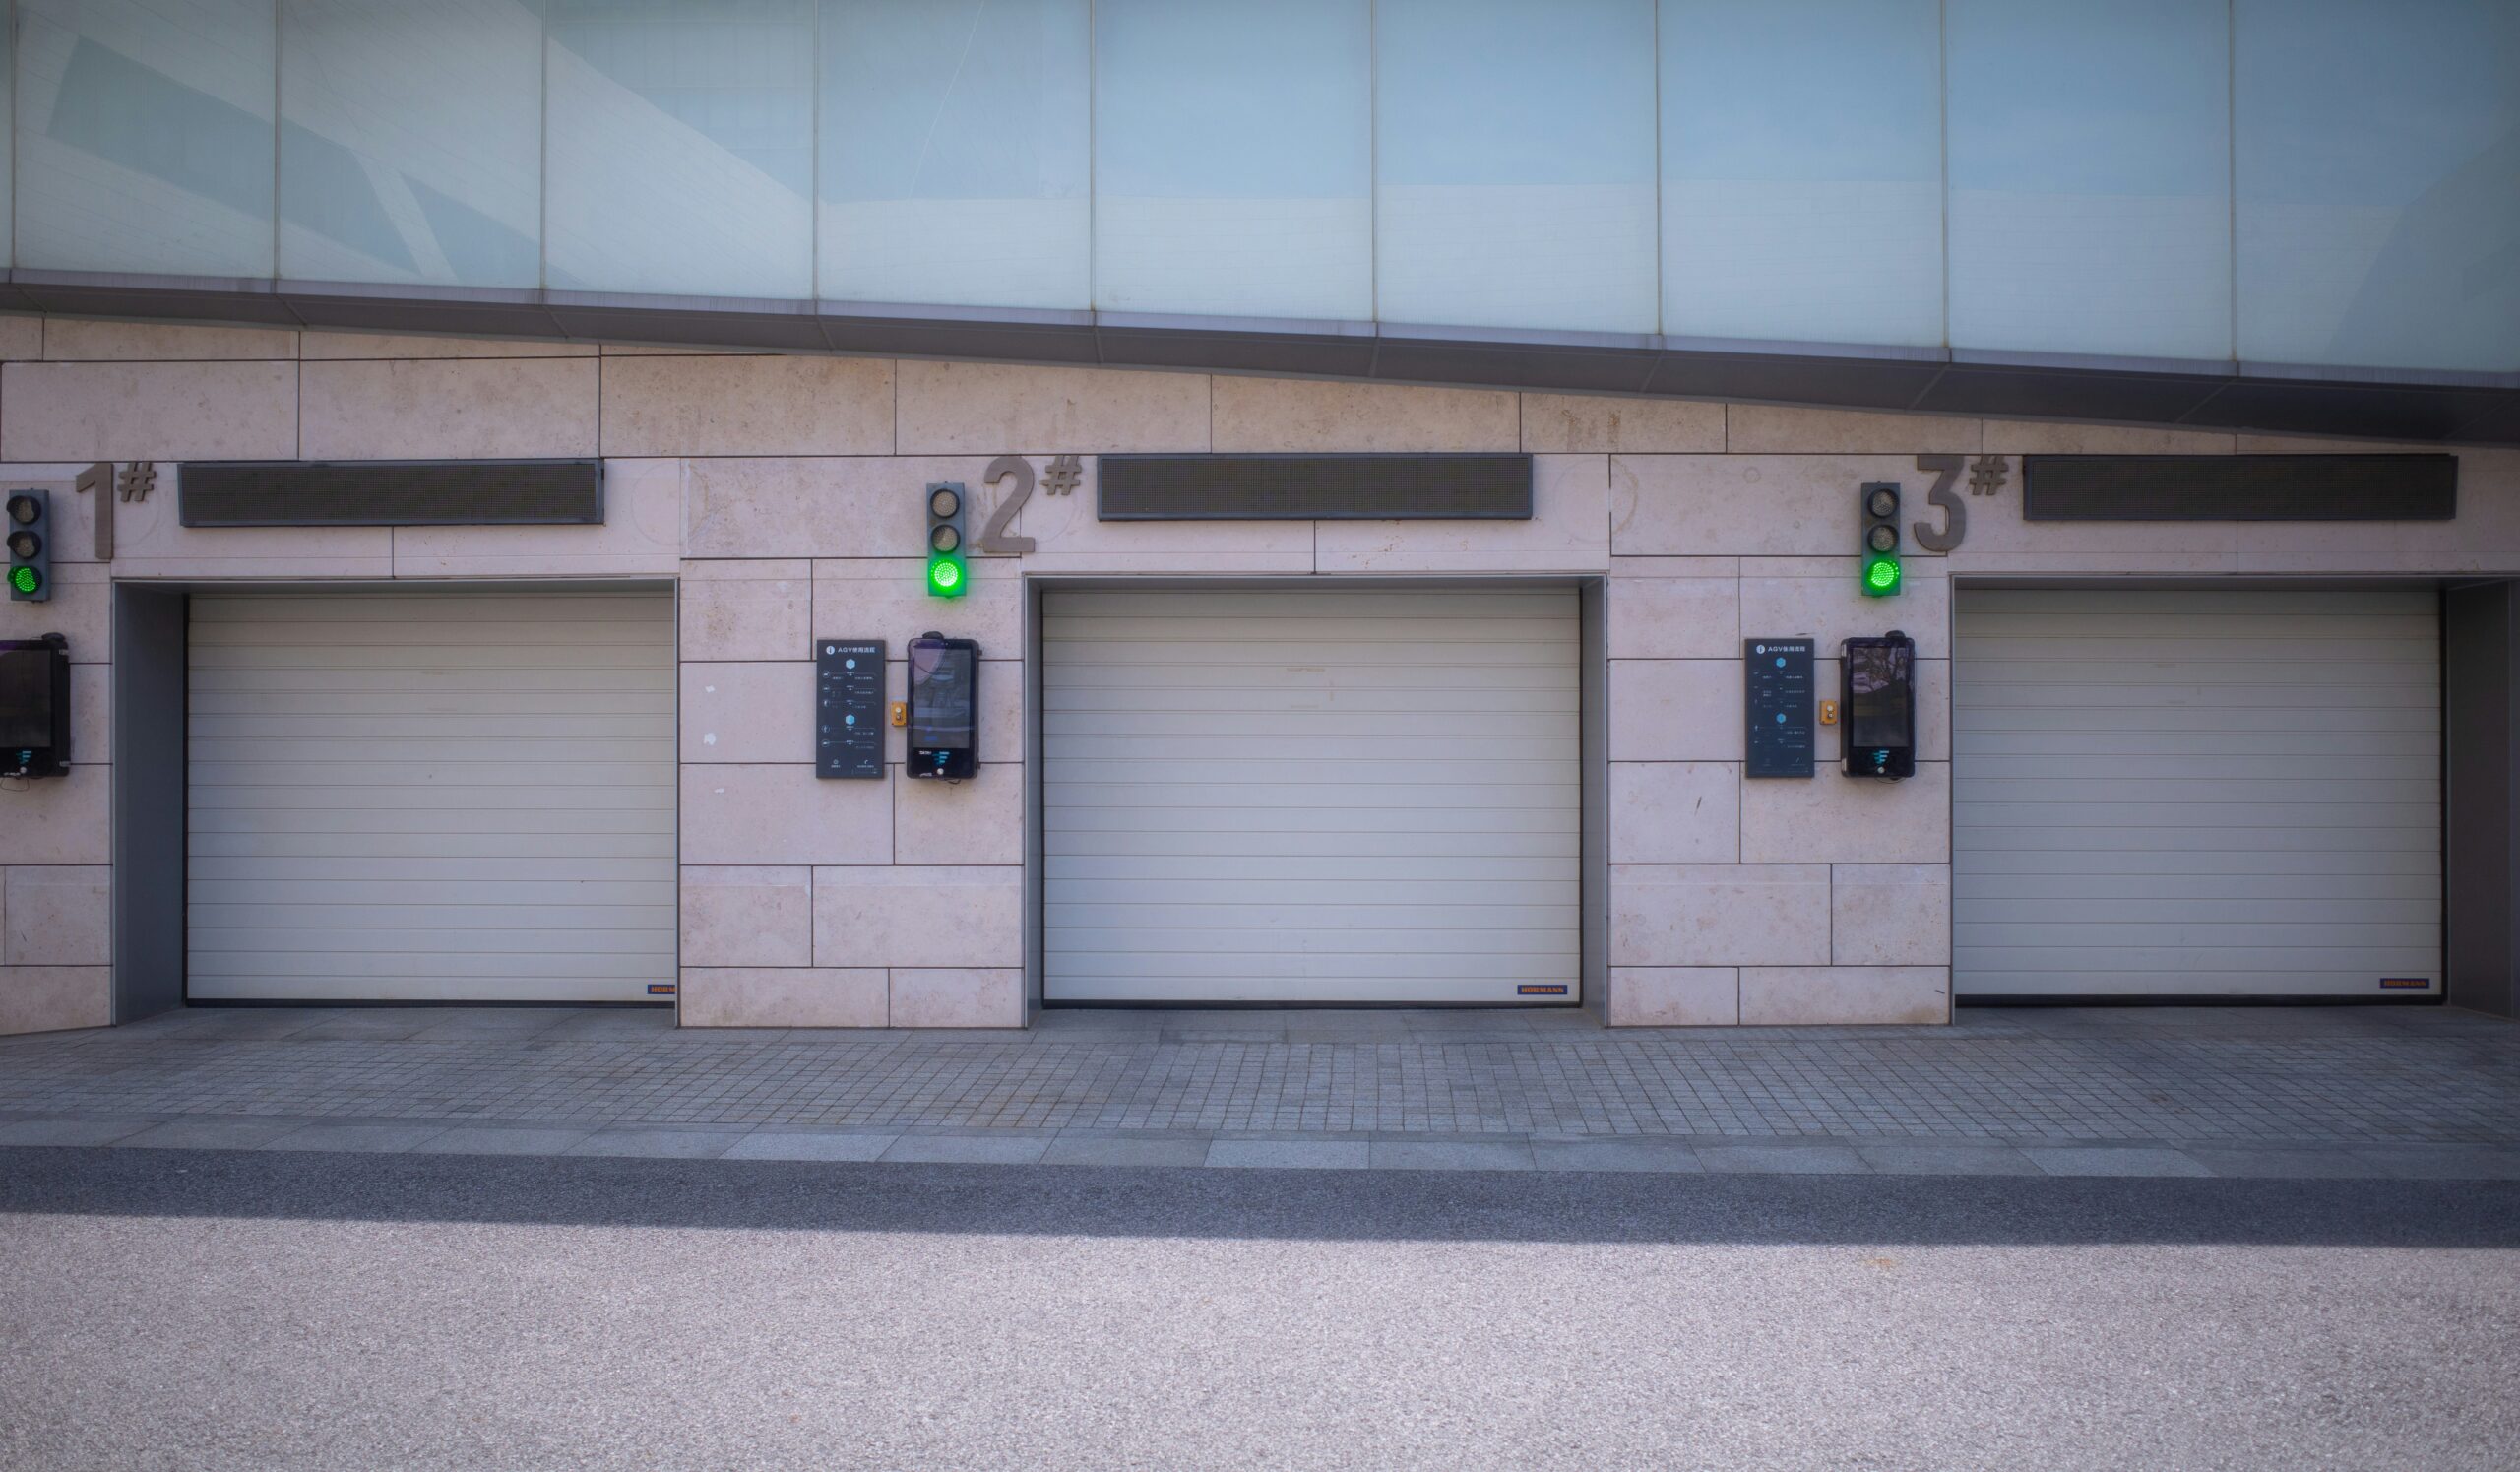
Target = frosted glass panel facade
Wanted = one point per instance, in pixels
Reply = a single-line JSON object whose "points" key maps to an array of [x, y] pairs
{"points": [[1234, 166], [1513, 170], [410, 142], [2090, 176], [1803, 170], [145, 136], [679, 147], [2377, 147], [955, 162]]}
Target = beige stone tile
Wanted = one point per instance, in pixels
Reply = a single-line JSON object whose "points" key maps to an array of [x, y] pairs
{"points": [[1806, 996], [110, 411], [783, 814], [1933, 713], [60, 820], [1675, 812], [2319, 444], [1781, 430], [1676, 709], [1890, 914], [957, 997], [747, 712], [71, 339], [2035, 437], [999, 408], [1069, 537], [1675, 995], [640, 536], [979, 821], [747, 917], [919, 917], [81, 609], [788, 996], [887, 599], [748, 405], [746, 610], [21, 337], [841, 506], [57, 915], [1835, 818], [1823, 598], [50, 998], [150, 540], [1559, 424], [1569, 532], [454, 409], [1746, 505], [92, 714], [1297, 416], [676, 349], [1719, 915], [327, 346], [1684, 617]]}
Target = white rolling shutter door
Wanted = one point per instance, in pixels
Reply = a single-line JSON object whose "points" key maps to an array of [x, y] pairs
{"points": [[1301, 796], [2172, 794], [432, 796]]}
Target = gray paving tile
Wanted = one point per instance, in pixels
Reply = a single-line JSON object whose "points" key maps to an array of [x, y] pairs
{"points": [[2113, 1160], [1184, 1150], [1448, 1155], [93, 1129], [664, 1142], [2445, 1162], [809, 1144], [1782, 1160], [1933, 1159], [1669, 1156], [504, 1139], [969, 1149], [1297, 1155], [2282, 1163], [383, 1137], [211, 1132]]}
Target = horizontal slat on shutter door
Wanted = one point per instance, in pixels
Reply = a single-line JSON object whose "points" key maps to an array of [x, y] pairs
{"points": [[2222, 794], [431, 796], [1338, 796]]}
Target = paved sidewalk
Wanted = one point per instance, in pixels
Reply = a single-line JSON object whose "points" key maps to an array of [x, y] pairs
{"points": [[2326, 1092]]}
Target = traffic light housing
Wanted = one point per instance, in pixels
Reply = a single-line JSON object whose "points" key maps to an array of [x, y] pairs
{"points": [[30, 534], [947, 576], [1878, 510]]}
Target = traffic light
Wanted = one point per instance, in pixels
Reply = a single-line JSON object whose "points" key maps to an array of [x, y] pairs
{"points": [[30, 530], [1880, 513], [946, 574]]}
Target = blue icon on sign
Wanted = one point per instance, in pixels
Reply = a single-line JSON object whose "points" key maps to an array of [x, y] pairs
{"points": [[848, 663], [853, 720], [1780, 718], [1780, 661]]}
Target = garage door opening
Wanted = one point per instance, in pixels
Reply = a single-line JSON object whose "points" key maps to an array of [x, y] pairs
{"points": [[1311, 797], [2217, 795], [430, 795]]}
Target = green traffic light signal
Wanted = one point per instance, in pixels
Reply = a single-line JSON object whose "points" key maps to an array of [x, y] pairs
{"points": [[25, 580], [1880, 575], [945, 576]]}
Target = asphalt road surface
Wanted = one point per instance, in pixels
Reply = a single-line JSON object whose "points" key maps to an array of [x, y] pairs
{"points": [[208, 1310]]}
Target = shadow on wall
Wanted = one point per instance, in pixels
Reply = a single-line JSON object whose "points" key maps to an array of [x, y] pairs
{"points": [[1279, 1205]]}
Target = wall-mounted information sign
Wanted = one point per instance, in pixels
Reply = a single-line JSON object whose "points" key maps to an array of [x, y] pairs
{"points": [[848, 707], [1780, 706]]}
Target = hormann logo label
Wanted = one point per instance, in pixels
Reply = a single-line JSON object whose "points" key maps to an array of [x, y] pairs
{"points": [[1535, 989], [2406, 983], [660, 989]]}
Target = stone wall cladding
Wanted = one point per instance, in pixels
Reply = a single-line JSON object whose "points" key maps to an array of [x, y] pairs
{"points": [[782, 494]]}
